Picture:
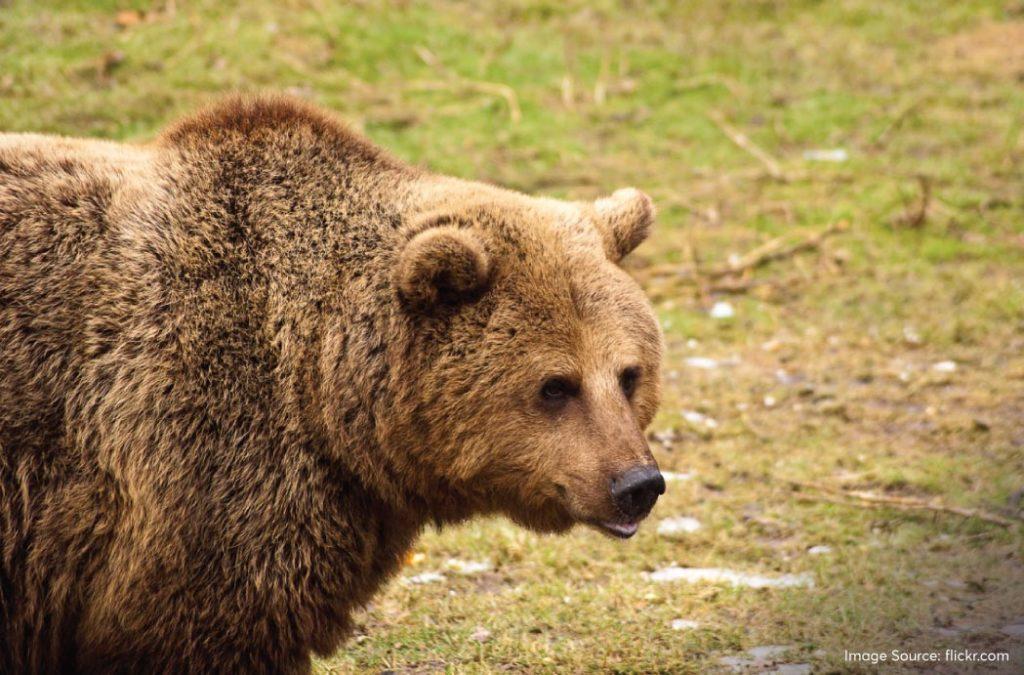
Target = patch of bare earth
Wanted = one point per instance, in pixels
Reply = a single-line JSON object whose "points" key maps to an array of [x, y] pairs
{"points": [[994, 49]]}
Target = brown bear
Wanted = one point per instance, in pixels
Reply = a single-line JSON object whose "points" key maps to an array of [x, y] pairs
{"points": [[243, 366]]}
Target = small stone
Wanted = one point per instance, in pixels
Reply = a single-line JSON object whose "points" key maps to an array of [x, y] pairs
{"points": [[819, 550], [944, 367], [666, 437], [481, 634], [783, 377]]}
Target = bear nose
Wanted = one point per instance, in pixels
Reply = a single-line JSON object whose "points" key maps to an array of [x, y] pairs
{"points": [[636, 490]]}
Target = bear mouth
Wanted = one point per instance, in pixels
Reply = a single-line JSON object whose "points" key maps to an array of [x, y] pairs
{"points": [[618, 530]]}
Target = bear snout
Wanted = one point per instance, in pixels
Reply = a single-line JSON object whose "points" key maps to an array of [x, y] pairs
{"points": [[636, 490]]}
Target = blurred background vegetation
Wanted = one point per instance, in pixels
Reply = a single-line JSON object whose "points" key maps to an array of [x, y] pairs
{"points": [[838, 267]]}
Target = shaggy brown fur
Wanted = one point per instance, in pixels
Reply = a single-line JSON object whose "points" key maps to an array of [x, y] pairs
{"points": [[242, 367]]}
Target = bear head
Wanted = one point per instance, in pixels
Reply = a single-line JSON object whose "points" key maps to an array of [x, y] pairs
{"points": [[536, 359]]}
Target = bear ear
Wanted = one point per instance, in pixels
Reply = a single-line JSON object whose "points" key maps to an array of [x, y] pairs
{"points": [[442, 265], [624, 220]]}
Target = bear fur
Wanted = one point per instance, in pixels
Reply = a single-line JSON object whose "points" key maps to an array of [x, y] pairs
{"points": [[243, 366]]}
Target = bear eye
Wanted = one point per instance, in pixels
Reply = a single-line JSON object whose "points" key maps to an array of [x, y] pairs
{"points": [[628, 380], [557, 390]]}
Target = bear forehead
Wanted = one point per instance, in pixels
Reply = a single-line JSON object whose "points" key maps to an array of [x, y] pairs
{"points": [[563, 297]]}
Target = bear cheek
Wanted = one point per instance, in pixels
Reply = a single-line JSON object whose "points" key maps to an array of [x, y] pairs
{"points": [[648, 400]]}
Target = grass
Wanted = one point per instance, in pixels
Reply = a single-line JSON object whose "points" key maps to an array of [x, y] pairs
{"points": [[612, 94]]}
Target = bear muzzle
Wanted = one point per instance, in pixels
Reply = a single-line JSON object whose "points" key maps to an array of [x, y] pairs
{"points": [[634, 494]]}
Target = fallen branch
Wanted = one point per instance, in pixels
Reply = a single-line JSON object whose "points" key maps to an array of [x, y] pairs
{"points": [[774, 249], [743, 142], [870, 499]]}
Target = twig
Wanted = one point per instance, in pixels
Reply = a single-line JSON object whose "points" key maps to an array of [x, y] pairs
{"points": [[490, 88], [703, 81], [744, 143], [897, 121], [774, 249], [568, 92], [749, 425], [869, 499], [428, 57], [916, 218], [600, 86]]}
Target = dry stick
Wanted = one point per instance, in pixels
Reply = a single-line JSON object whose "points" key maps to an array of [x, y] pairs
{"points": [[491, 88], [744, 143], [701, 81], [600, 87], [862, 498], [774, 249], [690, 254], [897, 121], [916, 218]]}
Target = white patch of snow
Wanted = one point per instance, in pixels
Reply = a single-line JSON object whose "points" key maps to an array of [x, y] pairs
{"points": [[767, 651], [700, 419], [467, 567], [678, 525], [719, 575], [722, 310], [760, 658], [834, 155], [684, 624], [425, 578], [702, 362]]}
